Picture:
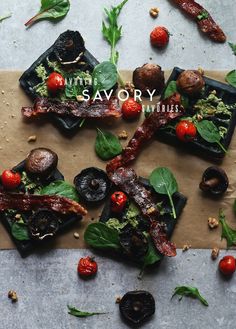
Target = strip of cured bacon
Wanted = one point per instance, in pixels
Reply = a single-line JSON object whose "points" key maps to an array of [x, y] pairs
{"points": [[86, 109], [25, 202], [203, 18]]}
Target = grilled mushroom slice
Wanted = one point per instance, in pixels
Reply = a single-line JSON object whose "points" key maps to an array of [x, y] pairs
{"points": [[43, 223], [214, 181], [137, 306]]}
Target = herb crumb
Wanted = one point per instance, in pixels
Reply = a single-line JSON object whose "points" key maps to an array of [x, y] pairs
{"points": [[13, 296], [215, 253], [213, 222], [123, 134], [186, 247]]}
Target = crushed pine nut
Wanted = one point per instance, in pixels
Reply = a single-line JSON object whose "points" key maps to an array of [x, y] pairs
{"points": [[76, 235], [123, 134], [154, 12], [13, 296], [80, 98], [215, 253], [118, 300], [186, 247], [32, 138], [213, 222], [129, 86]]}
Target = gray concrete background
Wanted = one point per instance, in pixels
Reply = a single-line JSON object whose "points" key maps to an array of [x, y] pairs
{"points": [[46, 283]]}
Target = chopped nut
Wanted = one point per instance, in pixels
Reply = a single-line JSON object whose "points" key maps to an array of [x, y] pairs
{"points": [[118, 299], [213, 222], [151, 210], [154, 12], [215, 253], [186, 247], [80, 98], [129, 86], [76, 235], [3, 92], [32, 138], [13, 296], [123, 135]]}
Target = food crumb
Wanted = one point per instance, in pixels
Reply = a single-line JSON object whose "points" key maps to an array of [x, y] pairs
{"points": [[215, 253], [129, 86], [32, 138], [213, 222], [7, 104], [118, 299], [123, 134], [186, 247], [13, 296], [3, 92], [76, 235], [18, 216], [154, 12], [80, 98]]}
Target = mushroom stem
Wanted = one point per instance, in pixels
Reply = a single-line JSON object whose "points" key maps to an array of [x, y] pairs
{"points": [[210, 183]]}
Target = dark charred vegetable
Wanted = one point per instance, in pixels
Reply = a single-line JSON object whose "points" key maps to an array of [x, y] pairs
{"points": [[42, 224], [69, 48], [190, 82], [137, 306], [134, 242], [92, 184], [41, 162], [214, 180], [148, 78]]}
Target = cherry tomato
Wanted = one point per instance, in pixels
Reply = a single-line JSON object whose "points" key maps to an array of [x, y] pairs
{"points": [[55, 82], [227, 265], [87, 266], [159, 37], [131, 109], [118, 201], [10, 179], [186, 131]]}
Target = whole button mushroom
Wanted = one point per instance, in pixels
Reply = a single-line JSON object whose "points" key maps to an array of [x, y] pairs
{"points": [[214, 181], [190, 82]]}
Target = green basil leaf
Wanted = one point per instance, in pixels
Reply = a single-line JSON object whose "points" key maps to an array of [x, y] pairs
{"points": [[20, 231], [99, 235], [231, 78], [171, 89], [4, 17], [233, 47], [104, 76], [107, 145], [61, 188], [190, 292], [51, 9], [81, 314], [227, 232]]}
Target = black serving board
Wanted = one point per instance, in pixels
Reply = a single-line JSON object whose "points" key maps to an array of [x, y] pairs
{"points": [[178, 199], [25, 248], [29, 80], [228, 95]]}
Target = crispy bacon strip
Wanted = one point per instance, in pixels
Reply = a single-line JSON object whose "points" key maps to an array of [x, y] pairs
{"points": [[90, 109], [25, 202], [204, 20], [147, 130], [127, 181]]}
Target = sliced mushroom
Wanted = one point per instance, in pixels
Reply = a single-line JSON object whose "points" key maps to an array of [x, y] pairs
{"points": [[137, 306], [42, 224], [214, 180]]}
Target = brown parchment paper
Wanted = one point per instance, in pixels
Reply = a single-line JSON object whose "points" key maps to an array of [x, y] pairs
{"points": [[77, 152]]}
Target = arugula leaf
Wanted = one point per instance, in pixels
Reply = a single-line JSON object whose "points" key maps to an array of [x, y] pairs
{"points": [[231, 78], [99, 235], [164, 182], [104, 76], [233, 47], [171, 89], [4, 17], [107, 145], [209, 132], [81, 314], [20, 231], [189, 291], [51, 9], [61, 188], [203, 15], [227, 232]]}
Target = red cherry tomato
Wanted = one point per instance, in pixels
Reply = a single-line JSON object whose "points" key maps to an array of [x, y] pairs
{"points": [[55, 82], [159, 37], [87, 267], [227, 265], [10, 179], [186, 131], [131, 109], [118, 201]]}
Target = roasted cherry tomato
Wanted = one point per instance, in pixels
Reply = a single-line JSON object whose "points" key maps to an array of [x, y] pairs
{"points": [[131, 109], [186, 131], [55, 82], [10, 179], [87, 267], [227, 265], [159, 37], [118, 201]]}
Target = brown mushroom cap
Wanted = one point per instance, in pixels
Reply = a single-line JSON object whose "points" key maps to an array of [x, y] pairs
{"points": [[41, 162], [214, 180], [149, 77], [190, 82]]}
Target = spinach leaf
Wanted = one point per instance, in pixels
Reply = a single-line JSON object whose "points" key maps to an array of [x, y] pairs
{"points": [[209, 132], [107, 145], [171, 89], [189, 292], [231, 78], [227, 232], [104, 77], [233, 47], [4, 17], [51, 9], [152, 256], [99, 235], [81, 314], [164, 182], [61, 188], [20, 231]]}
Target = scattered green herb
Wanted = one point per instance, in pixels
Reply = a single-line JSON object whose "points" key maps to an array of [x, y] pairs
{"points": [[81, 314], [171, 89], [99, 235], [209, 132], [227, 232], [32, 186], [114, 223], [203, 15], [61, 188], [20, 231], [2, 18], [189, 291], [51, 9], [233, 47], [104, 76], [107, 145], [231, 78], [164, 182]]}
